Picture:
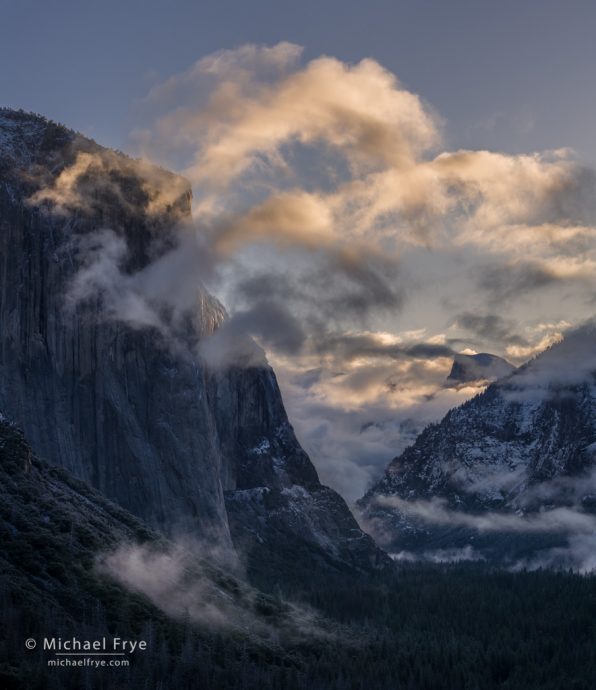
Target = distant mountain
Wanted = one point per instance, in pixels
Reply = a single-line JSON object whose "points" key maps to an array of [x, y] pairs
{"points": [[508, 474], [478, 368], [130, 406]]}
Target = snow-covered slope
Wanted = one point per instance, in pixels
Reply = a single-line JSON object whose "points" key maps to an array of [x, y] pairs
{"points": [[513, 469]]}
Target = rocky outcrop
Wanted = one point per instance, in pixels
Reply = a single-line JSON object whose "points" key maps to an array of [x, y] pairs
{"points": [[479, 368], [112, 401]]}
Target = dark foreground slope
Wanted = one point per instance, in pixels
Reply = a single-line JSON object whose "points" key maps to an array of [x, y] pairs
{"points": [[99, 360], [424, 629], [57, 534], [511, 474]]}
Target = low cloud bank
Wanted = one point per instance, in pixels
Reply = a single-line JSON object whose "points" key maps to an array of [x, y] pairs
{"points": [[437, 512], [578, 555], [179, 580], [436, 556]]}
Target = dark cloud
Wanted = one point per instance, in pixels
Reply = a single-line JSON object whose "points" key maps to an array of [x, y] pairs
{"points": [[307, 379], [269, 322], [436, 511], [428, 351], [509, 281], [348, 347], [490, 327], [329, 287]]}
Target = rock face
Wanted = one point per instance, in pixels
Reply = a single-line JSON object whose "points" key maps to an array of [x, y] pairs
{"points": [[147, 424], [102, 400], [510, 470], [478, 368], [74, 564]]}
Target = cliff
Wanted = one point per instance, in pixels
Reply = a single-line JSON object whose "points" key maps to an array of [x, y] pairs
{"points": [[182, 446]]}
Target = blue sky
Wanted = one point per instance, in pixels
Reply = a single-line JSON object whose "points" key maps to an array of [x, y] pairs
{"points": [[509, 75]]}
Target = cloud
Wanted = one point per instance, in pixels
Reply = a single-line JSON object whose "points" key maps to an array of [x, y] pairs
{"points": [[238, 64], [512, 280], [492, 328], [501, 189], [233, 344], [356, 402], [330, 219], [527, 352], [166, 295], [350, 346], [578, 555], [325, 289], [360, 110], [183, 584], [517, 342], [437, 512], [176, 582], [330, 154], [370, 185], [99, 177], [572, 362], [467, 553], [341, 158], [285, 219]]}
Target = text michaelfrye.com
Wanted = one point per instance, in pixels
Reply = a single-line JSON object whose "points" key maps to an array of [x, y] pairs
{"points": [[103, 652]]}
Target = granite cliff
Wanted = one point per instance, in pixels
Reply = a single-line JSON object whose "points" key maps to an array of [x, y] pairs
{"points": [[181, 445]]}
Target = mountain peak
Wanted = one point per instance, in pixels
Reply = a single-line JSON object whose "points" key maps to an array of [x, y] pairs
{"points": [[478, 367]]}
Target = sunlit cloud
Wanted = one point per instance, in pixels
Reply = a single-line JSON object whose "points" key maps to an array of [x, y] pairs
{"points": [[345, 239], [99, 173]]}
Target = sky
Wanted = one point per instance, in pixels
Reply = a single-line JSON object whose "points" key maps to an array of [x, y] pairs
{"points": [[515, 75], [377, 186]]}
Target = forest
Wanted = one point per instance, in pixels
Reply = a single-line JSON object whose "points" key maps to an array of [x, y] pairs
{"points": [[427, 628]]}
